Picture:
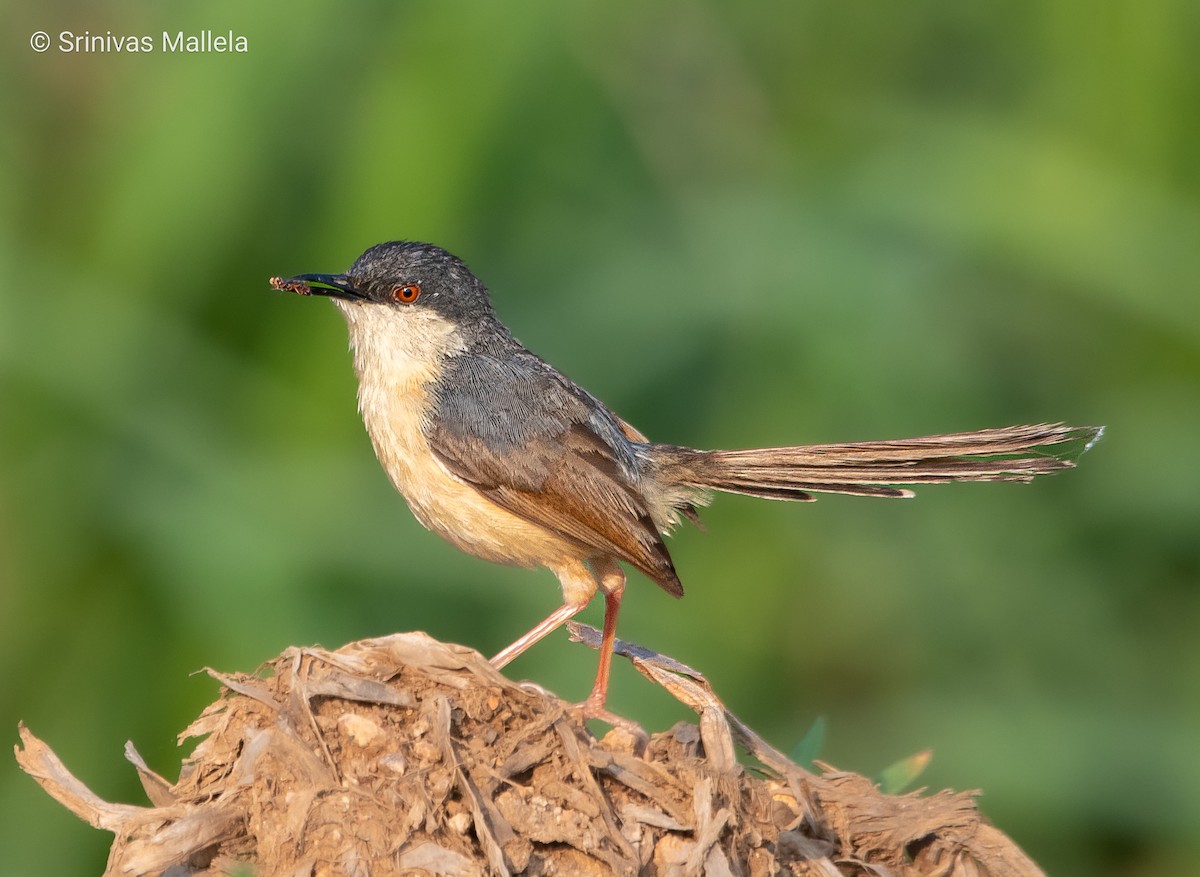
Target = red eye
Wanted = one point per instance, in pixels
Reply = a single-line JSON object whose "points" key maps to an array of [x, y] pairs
{"points": [[408, 293]]}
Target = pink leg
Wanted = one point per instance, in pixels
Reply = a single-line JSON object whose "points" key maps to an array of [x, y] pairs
{"points": [[580, 584], [554, 620], [612, 582]]}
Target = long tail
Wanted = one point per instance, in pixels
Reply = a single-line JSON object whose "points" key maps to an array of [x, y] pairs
{"points": [[1015, 453]]}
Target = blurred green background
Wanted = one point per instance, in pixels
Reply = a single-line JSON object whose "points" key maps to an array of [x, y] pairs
{"points": [[738, 223]]}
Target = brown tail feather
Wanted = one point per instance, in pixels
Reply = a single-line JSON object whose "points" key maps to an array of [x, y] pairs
{"points": [[1016, 453]]}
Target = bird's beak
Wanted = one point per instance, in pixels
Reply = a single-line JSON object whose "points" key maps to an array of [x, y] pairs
{"points": [[333, 285]]}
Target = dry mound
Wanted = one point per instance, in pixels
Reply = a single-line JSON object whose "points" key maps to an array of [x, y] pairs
{"points": [[404, 755]]}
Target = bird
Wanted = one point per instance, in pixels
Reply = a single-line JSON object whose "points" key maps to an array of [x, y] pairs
{"points": [[505, 457]]}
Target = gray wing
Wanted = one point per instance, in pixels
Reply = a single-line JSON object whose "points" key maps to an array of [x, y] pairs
{"points": [[541, 447]]}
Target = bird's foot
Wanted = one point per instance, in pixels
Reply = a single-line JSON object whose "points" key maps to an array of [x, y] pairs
{"points": [[594, 708]]}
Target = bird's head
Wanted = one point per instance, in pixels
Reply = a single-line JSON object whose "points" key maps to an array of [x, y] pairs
{"points": [[406, 304], [400, 277]]}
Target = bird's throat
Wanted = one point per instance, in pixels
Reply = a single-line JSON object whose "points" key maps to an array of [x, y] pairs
{"points": [[398, 350]]}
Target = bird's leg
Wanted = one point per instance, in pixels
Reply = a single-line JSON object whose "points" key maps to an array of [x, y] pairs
{"points": [[612, 583], [552, 621], [579, 586]]}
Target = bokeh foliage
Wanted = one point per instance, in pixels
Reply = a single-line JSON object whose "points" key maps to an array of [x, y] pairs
{"points": [[738, 223]]}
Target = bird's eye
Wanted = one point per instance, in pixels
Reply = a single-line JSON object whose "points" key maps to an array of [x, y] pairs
{"points": [[407, 294]]}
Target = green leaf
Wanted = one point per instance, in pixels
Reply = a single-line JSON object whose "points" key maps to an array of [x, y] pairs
{"points": [[899, 776], [805, 752]]}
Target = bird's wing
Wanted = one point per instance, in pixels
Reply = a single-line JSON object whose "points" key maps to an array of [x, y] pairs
{"points": [[540, 447]]}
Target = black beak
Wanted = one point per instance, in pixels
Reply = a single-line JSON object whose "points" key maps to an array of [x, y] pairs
{"points": [[333, 285]]}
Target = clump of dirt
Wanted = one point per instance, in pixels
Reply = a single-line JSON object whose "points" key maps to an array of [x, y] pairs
{"points": [[405, 755]]}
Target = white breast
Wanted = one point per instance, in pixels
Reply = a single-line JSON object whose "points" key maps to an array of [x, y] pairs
{"points": [[397, 355]]}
